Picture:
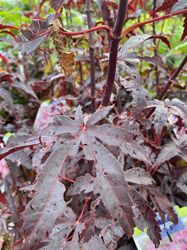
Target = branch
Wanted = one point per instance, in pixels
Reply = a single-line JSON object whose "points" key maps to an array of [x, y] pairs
{"points": [[114, 50], [92, 54], [97, 28], [172, 78], [168, 84], [137, 25]]}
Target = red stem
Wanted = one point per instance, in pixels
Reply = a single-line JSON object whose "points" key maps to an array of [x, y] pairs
{"points": [[131, 28], [71, 33]]}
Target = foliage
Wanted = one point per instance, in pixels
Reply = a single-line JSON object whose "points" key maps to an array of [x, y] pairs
{"points": [[91, 148]]}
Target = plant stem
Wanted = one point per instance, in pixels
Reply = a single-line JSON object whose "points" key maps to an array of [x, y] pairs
{"points": [[137, 25], [172, 78], [114, 50], [92, 54], [76, 33], [155, 47], [168, 84]]}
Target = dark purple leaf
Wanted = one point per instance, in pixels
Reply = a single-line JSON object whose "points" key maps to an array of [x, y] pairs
{"points": [[110, 179], [28, 46], [83, 184], [56, 4], [144, 216], [26, 88], [99, 115], [13, 148], [48, 202], [162, 205], [93, 243], [138, 176]]}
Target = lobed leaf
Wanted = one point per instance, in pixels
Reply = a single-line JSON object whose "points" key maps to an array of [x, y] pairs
{"points": [[48, 202], [99, 114], [83, 184]]}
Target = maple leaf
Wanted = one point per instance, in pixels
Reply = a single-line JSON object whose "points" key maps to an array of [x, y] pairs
{"points": [[32, 37], [144, 216], [162, 205], [125, 202], [48, 202], [83, 183]]}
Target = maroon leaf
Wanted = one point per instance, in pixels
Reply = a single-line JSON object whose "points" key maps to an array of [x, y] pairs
{"points": [[93, 243], [155, 60], [82, 184], [172, 149], [166, 5], [162, 205], [62, 125], [31, 38], [56, 4], [48, 202], [120, 137], [145, 217], [28, 46], [26, 88], [138, 176], [13, 148], [99, 115], [182, 183], [110, 179], [57, 238], [137, 40]]}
